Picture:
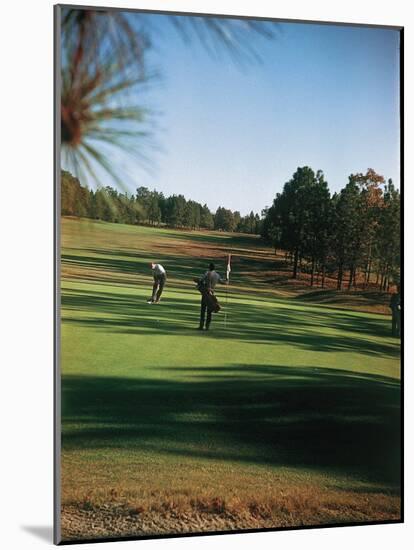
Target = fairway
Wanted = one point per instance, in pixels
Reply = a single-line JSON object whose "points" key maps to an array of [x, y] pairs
{"points": [[287, 414]]}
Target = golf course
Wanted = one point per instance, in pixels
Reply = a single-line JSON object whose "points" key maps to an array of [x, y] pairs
{"points": [[285, 413]]}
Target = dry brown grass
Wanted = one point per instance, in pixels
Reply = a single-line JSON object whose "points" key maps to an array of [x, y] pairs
{"points": [[294, 506], [304, 502], [190, 497]]}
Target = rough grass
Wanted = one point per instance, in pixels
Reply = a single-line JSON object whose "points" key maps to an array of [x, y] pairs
{"points": [[288, 416]]}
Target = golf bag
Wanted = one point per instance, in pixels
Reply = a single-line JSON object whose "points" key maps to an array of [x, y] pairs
{"points": [[212, 302], [208, 295]]}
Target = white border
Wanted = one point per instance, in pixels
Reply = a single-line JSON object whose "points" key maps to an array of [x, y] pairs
{"points": [[26, 46]]}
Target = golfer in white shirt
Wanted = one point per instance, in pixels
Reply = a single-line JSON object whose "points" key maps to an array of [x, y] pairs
{"points": [[160, 276]]}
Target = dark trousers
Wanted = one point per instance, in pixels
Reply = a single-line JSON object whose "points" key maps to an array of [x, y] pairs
{"points": [[204, 308], [395, 323], [158, 287]]}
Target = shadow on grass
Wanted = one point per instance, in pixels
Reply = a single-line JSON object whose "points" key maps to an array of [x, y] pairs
{"points": [[228, 241], [183, 263], [321, 331], [322, 419], [253, 268]]}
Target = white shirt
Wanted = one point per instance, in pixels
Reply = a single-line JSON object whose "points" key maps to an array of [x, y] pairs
{"points": [[158, 270]]}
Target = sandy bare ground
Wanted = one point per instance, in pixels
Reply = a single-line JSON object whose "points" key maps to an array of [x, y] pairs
{"points": [[120, 520]]}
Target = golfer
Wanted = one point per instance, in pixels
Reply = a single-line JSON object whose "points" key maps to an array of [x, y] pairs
{"points": [[206, 285], [395, 305], [160, 276]]}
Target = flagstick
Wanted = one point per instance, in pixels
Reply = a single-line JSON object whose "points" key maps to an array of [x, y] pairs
{"points": [[228, 269], [225, 311]]}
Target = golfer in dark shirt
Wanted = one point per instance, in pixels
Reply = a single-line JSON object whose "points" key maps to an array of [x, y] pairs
{"points": [[207, 284], [395, 305]]}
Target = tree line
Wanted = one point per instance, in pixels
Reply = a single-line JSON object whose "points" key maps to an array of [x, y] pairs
{"points": [[353, 235], [149, 207]]}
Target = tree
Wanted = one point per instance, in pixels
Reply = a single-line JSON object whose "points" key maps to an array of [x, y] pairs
{"points": [[387, 247], [356, 218], [289, 215], [252, 222], [271, 229], [75, 199], [236, 220], [153, 209], [346, 237], [371, 202], [206, 218], [223, 219], [190, 215], [257, 224], [317, 224], [175, 210], [143, 197]]}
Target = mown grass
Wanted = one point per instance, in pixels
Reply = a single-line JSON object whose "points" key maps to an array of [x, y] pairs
{"points": [[290, 397]]}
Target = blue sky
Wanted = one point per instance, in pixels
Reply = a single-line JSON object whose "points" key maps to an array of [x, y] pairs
{"points": [[323, 96]]}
